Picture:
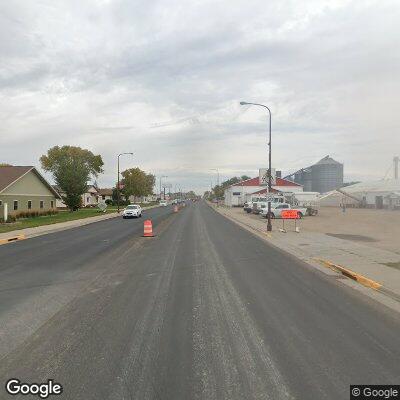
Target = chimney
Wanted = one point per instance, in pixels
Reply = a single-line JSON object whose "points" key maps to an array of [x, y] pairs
{"points": [[396, 167], [278, 174]]}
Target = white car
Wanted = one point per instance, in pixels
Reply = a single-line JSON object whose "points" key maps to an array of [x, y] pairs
{"points": [[132, 211], [163, 203], [276, 210]]}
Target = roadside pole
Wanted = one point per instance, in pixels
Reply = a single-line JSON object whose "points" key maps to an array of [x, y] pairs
{"points": [[243, 103], [5, 212]]}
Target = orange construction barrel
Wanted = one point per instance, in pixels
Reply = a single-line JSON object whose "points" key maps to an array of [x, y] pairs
{"points": [[148, 228]]}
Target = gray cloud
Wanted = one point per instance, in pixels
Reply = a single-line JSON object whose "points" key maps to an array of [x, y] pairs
{"points": [[163, 79]]}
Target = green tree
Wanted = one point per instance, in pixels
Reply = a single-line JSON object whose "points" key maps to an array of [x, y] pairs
{"points": [[137, 183], [72, 168]]}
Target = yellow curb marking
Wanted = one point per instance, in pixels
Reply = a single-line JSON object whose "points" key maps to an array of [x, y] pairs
{"points": [[351, 274], [12, 239]]}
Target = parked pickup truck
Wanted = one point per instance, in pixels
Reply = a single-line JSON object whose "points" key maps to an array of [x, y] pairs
{"points": [[276, 210], [260, 206]]}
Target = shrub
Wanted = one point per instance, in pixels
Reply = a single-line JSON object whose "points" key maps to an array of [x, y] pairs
{"points": [[10, 218], [33, 214]]}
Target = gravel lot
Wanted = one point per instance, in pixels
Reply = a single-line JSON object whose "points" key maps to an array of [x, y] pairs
{"points": [[377, 228]]}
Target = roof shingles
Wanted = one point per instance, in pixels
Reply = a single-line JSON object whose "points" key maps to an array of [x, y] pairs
{"points": [[9, 174]]}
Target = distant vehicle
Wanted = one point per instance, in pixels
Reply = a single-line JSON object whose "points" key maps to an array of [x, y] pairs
{"points": [[163, 203], [258, 203], [132, 211], [258, 206], [277, 208], [309, 200]]}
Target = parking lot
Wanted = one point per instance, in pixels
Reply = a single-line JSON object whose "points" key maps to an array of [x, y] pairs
{"points": [[377, 228]]}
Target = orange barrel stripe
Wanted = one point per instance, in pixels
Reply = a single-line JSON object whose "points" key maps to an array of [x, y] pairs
{"points": [[148, 228]]}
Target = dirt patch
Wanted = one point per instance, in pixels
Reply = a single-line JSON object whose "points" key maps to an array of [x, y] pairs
{"points": [[358, 238], [393, 265]]}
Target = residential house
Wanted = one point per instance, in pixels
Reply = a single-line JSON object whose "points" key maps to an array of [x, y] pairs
{"points": [[59, 202], [105, 194], [91, 197], [23, 188]]}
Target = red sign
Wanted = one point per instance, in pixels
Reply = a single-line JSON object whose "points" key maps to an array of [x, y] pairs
{"points": [[290, 214]]}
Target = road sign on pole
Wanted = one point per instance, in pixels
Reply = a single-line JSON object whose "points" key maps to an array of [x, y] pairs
{"points": [[263, 176]]}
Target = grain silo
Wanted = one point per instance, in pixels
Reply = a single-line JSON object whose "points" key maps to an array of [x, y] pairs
{"points": [[327, 175]]}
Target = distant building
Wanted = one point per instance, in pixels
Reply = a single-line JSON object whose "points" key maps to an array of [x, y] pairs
{"points": [[383, 194], [237, 194], [105, 194], [324, 176], [23, 188], [90, 198]]}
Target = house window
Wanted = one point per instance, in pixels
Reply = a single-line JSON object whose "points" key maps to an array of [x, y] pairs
{"points": [[41, 204], [87, 199], [103, 197], [1, 203], [15, 204], [29, 204], [52, 203], [236, 193]]}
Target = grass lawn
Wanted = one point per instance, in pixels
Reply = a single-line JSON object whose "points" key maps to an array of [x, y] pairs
{"points": [[62, 216]]}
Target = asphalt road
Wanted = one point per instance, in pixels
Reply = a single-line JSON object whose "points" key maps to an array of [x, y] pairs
{"points": [[205, 310]]}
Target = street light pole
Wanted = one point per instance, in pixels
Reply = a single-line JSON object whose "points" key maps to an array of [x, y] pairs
{"points": [[118, 180], [243, 103], [162, 176]]}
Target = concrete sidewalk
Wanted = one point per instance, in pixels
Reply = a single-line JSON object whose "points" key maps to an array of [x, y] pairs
{"points": [[371, 262], [61, 226]]}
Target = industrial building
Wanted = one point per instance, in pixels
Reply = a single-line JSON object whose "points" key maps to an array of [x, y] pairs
{"points": [[381, 194], [324, 176], [237, 194]]}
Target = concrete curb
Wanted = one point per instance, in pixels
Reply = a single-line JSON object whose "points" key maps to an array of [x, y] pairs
{"points": [[367, 282], [12, 239], [350, 274]]}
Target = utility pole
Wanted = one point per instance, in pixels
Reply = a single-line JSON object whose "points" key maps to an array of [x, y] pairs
{"points": [[162, 176]]}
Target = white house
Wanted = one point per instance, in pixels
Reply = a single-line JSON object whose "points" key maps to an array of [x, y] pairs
{"points": [[237, 194], [90, 197], [104, 194]]}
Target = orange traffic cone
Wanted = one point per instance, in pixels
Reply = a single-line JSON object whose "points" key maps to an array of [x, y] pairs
{"points": [[148, 228]]}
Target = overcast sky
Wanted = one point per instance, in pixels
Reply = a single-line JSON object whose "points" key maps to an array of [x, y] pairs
{"points": [[163, 79]]}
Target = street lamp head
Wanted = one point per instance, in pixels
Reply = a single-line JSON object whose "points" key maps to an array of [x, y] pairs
{"points": [[243, 103]]}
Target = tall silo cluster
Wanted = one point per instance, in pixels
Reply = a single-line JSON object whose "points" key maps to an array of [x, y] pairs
{"points": [[326, 175], [322, 177]]}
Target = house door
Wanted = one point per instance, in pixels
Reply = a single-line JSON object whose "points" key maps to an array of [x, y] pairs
{"points": [[379, 202]]}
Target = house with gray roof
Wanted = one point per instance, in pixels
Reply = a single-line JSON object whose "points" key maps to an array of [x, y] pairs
{"points": [[23, 188]]}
